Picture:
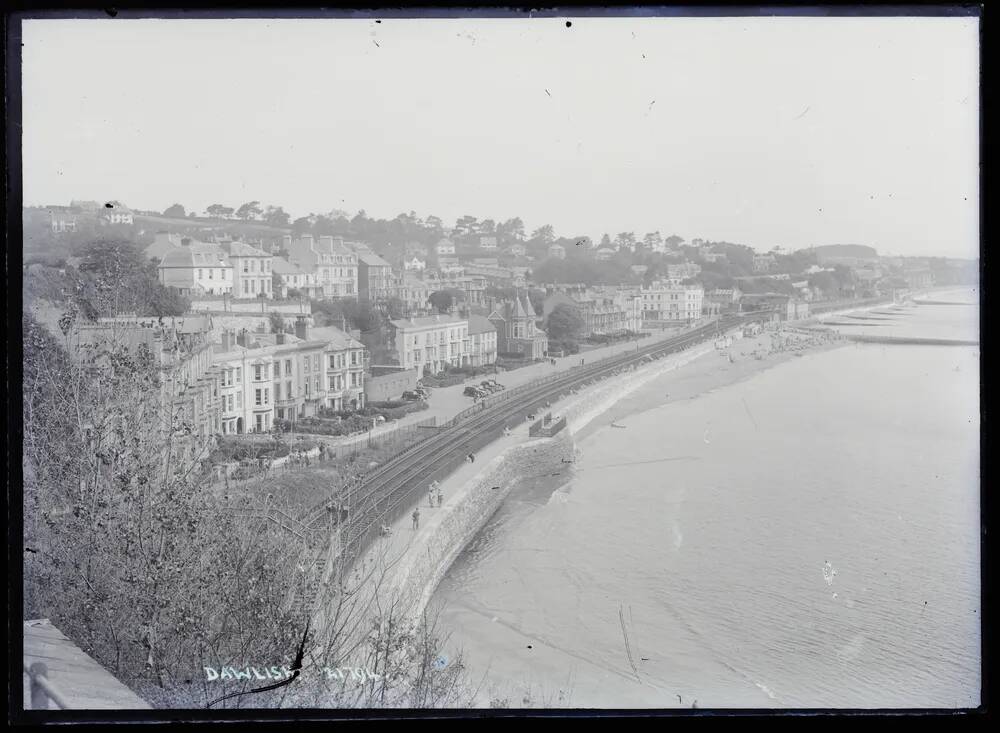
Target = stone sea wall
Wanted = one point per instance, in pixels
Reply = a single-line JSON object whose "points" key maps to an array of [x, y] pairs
{"points": [[453, 526]]}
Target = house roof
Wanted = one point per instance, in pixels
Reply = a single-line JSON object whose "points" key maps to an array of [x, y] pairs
{"points": [[480, 324], [335, 337], [196, 254], [372, 260], [240, 249], [404, 323], [281, 266]]}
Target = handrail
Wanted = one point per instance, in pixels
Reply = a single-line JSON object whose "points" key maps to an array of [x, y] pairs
{"points": [[42, 690]]}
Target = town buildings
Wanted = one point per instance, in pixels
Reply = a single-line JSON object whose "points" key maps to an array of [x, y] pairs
{"points": [[414, 264], [604, 254], [557, 251], [375, 278], [293, 277], [251, 268], [667, 301], [115, 213], [430, 342], [414, 294], [195, 268], [483, 341], [763, 262], [683, 270], [444, 247], [282, 376], [517, 330], [334, 266], [604, 312]]}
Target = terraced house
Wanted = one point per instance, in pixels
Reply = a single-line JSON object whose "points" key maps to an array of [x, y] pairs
{"points": [[430, 342], [251, 270], [287, 376], [193, 267], [329, 260]]}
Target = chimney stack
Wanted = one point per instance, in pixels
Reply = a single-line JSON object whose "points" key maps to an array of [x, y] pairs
{"points": [[227, 341], [326, 241], [279, 338], [301, 327], [286, 241], [241, 338], [186, 241]]}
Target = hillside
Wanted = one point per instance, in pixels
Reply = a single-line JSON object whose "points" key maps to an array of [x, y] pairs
{"points": [[845, 250], [233, 226]]}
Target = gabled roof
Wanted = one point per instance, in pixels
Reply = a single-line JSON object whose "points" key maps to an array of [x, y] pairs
{"points": [[281, 266], [404, 323], [240, 249], [196, 254], [480, 324], [335, 337], [372, 260]]}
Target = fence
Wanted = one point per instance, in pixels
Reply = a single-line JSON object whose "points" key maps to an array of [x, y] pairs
{"points": [[42, 690], [399, 437]]}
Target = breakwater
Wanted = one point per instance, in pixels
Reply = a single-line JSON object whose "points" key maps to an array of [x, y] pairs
{"points": [[910, 340]]}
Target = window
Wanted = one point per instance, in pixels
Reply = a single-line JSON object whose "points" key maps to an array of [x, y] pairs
{"points": [[199, 274], [239, 399], [246, 266], [288, 367], [259, 422], [277, 392], [253, 265], [257, 397], [257, 373], [277, 369], [239, 375], [316, 383], [305, 362], [316, 362], [267, 398], [288, 391]]}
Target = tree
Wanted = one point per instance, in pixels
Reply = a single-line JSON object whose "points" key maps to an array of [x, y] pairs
{"points": [[277, 322], [301, 226], [443, 300], [605, 241], [673, 241], [115, 277], [564, 323], [487, 227], [653, 241], [219, 211], [625, 240], [249, 210], [514, 228], [466, 226], [276, 216], [544, 233], [176, 211]]}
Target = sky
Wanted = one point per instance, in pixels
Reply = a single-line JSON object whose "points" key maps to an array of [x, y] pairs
{"points": [[785, 132]]}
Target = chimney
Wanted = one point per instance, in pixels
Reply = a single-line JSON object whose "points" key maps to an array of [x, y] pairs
{"points": [[326, 241], [227, 341], [308, 239], [186, 241], [241, 338], [279, 338], [301, 328], [286, 241]]}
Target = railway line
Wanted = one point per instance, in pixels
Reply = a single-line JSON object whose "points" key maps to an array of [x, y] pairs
{"points": [[394, 488]]}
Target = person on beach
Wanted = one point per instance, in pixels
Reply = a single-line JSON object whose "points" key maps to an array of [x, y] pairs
{"points": [[416, 518], [440, 497], [506, 430]]}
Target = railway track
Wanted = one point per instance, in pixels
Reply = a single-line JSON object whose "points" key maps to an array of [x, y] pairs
{"points": [[398, 485]]}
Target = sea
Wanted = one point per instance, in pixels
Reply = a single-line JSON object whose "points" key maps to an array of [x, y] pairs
{"points": [[808, 537]]}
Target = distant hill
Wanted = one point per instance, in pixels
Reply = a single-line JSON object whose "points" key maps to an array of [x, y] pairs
{"points": [[861, 251], [235, 226]]}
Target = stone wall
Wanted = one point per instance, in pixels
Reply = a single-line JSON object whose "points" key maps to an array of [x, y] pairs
{"points": [[389, 386], [453, 526]]}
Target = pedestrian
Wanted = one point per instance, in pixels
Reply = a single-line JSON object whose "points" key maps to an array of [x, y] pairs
{"points": [[416, 518], [472, 457], [440, 497]]}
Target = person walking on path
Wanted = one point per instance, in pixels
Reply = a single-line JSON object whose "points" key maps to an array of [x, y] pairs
{"points": [[440, 496], [416, 518]]}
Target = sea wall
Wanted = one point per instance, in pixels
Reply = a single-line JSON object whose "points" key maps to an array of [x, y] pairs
{"points": [[454, 525]]}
